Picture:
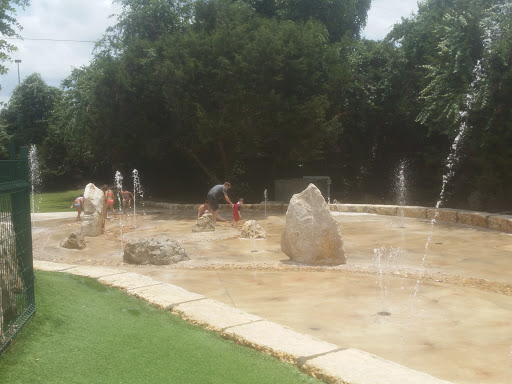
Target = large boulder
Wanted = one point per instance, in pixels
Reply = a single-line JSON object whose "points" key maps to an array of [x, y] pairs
{"points": [[154, 250], [311, 235], [204, 224], [252, 230], [75, 240], [93, 223]]}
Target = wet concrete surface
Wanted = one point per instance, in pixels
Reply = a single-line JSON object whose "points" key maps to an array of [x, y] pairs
{"points": [[436, 298]]}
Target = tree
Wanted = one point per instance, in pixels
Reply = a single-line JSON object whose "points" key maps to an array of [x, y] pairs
{"points": [[462, 50], [229, 86], [7, 24], [28, 111], [340, 17], [4, 144]]}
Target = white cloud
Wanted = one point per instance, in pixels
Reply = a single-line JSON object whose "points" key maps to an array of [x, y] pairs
{"points": [[59, 20], [384, 14]]}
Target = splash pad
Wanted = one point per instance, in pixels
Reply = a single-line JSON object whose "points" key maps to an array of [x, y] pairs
{"points": [[444, 312]]}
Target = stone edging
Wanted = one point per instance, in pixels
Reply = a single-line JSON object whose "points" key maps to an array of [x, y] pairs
{"points": [[496, 222], [502, 223], [325, 361]]}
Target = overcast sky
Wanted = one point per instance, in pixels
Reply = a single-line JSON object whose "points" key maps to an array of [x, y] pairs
{"points": [[86, 20]]}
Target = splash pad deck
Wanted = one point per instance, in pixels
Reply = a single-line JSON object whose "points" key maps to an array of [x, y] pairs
{"points": [[444, 311]]}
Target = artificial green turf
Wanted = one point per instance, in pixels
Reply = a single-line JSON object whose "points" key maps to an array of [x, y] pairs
{"points": [[55, 201], [84, 332]]}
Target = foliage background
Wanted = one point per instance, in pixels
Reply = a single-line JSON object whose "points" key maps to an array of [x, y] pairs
{"points": [[192, 93]]}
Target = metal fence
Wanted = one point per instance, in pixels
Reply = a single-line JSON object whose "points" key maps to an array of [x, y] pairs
{"points": [[17, 302]]}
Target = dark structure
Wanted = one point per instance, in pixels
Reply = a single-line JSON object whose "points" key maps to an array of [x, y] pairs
{"points": [[285, 189]]}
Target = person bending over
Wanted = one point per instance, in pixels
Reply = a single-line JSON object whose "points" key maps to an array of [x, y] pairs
{"points": [[218, 192]]}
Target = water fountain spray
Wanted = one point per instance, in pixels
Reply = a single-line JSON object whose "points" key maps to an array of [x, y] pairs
{"points": [[400, 188], [137, 189], [386, 260], [35, 178], [453, 157], [265, 197], [119, 187]]}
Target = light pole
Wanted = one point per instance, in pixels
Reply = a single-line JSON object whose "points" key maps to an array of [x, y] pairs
{"points": [[18, 62]]}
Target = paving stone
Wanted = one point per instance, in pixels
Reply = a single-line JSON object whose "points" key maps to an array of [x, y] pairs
{"points": [[93, 271], [478, 219], [278, 341], [128, 280], [165, 295], [415, 212], [501, 223], [51, 267], [443, 214], [389, 210], [352, 366], [213, 315]]}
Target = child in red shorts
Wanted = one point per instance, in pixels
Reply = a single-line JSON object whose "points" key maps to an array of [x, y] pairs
{"points": [[237, 215]]}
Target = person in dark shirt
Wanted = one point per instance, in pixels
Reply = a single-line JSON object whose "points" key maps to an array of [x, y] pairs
{"points": [[218, 192]]}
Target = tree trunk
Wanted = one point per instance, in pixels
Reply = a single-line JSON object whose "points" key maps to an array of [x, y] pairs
{"points": [[198, 161], [225, 161]]}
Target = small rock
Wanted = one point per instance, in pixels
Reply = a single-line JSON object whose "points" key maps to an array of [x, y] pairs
{"points": [[75, 240]]}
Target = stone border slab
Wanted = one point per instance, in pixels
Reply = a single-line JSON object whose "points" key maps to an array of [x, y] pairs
{"points": [[352, 366], [92, 271], [476, 219], [501, 223], [51, 266], [446, 214], [165, 295], [388, 210], [278, 341], [128, 280], [414, 212], [213, 315]]}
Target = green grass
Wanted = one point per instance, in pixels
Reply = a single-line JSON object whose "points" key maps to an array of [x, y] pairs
{"points": [[56, 201], [84, 332]]}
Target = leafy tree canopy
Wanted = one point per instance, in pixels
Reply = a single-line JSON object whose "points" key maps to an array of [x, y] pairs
{"points": [[28, 111], [8, 26]]}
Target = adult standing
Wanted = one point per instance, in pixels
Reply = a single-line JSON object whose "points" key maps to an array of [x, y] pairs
{"points": [[216, 193]]}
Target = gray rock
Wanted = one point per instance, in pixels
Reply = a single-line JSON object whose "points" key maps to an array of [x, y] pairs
{"points": [[204, 224], [93, 223], [252, 230], [75, 240], [154, 250], [311, 235]]}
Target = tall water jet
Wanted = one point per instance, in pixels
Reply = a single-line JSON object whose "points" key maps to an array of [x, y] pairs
{"points": [[137, 189], [386, 259], [35, 179], [452, 160], [265, 199], [400, 189], [119, 187]]}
